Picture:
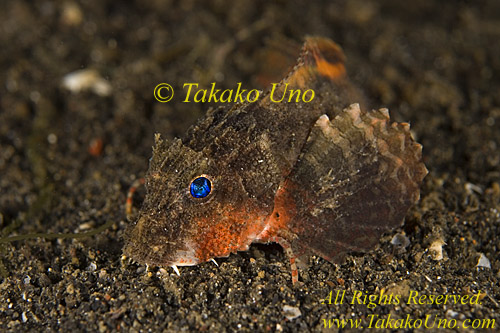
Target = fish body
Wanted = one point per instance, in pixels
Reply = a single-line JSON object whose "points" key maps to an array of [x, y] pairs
{"points": [[323, 177]]}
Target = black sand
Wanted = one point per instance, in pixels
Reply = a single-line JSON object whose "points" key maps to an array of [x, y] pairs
{"points": [[435, 64]]}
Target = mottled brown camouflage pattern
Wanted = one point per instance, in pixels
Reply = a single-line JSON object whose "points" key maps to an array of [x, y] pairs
{"points": [[280, 171]]}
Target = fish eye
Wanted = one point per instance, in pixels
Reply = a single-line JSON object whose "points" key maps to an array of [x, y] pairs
{"points": [[200, 187]]}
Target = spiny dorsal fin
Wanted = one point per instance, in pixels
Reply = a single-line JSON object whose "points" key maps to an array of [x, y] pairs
{"points": [[321, 68], [319, 57]]}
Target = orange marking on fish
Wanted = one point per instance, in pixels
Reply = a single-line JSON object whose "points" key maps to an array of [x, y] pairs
{"points": [[284, 212], [332, 71], [299, 77], [235, 231]]}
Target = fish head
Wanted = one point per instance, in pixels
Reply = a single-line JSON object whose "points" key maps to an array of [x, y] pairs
{"points": [[195, 209]]}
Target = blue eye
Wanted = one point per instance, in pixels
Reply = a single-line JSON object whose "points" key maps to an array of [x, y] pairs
{"points": [[200, 187]]}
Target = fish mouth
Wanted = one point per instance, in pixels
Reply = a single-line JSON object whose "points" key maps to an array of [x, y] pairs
{"points": [[147, 242], [153, 256], [162, 255]]}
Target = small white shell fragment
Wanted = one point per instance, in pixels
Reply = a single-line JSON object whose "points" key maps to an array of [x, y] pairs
{"points": [[451, 314], [400, 240], [291, 312], [470, 188], [436, 249], [93, 267], [86, 225], [52, 138], [483, 261], [86, 79]]}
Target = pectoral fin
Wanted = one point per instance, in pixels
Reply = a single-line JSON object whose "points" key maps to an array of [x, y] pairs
{"points": [[356, 178]]}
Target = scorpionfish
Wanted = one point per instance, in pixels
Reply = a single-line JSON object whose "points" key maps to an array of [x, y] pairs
{"points": [[324, 178]]}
